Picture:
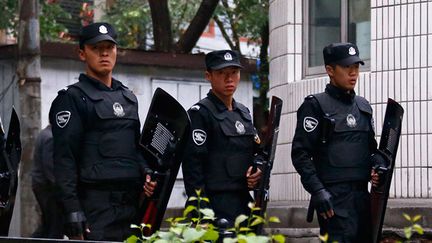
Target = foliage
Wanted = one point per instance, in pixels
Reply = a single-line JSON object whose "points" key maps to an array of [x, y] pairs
{"points": [[50, 12], [241, 18], [132, 20], [9, 19], [50, 29], [414, 226], [196, 226]]}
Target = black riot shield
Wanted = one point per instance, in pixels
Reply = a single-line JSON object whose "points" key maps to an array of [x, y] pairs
{"points": [[261, 194], [163, 139], [388, 147], [11, 155]]}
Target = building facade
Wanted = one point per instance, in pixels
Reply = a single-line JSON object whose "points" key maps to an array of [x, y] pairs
{"points": [[395, 40]]}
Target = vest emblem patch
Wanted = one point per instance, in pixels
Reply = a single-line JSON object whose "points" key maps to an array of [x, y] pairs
{"points": [[309, 124], [199, 136], [351, 121], [62, 118], [118, 110], [240, 127]]}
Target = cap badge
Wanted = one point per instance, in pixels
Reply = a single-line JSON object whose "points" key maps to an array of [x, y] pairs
{"points": [[351, 121], [228, 57], [103, 29], [352, 51], [240, 127], [118, 110]]}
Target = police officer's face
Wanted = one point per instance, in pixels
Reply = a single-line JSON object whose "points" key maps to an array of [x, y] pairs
{"points": [[100, 57], [344, 77], [224, 81]]}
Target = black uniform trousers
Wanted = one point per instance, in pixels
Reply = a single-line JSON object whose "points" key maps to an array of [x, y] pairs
{"points": [[52, 215], [351, 222], [109, 213], [230, 204]]}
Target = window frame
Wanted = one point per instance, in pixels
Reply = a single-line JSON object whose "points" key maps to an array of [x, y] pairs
{"points": [[319, 70]]}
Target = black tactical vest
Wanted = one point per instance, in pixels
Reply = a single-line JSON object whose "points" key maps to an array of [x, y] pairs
{"points": [[345, 155], [230, 148], [111, 125]]}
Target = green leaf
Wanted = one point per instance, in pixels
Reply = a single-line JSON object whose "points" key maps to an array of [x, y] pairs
{"points": [[132, 239], [176, 230], [207, 212], [205, 199], [243, 229], [192, 199], [240, 219], [323, 237], [134, 226], [229, 240], [192, 235], [257, 221], [279, 238], [408, 232], [416, 218], [257, 239], [418, 228], [407, 217], [189, 209], [274, 219], [161, 241], [211, 235]]}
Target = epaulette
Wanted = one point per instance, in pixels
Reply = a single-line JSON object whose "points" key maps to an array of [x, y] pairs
{"points": [[195, 108], [64, 90], [309, 97]]}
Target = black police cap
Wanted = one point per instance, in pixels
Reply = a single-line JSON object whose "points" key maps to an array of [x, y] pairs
{"points": [[216, 60], [96, 32], [343, 54]]}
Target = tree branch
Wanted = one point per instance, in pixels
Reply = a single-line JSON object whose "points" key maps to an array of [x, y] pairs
{"points": [[223, 31], [198, 24]]}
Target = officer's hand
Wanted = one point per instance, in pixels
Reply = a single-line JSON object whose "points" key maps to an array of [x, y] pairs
{"points": [[375, 178], [149, 186], [321, 200], [76, 225], [253, 178]]}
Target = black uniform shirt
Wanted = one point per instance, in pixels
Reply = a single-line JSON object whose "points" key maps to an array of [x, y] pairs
{"points": [[220, 149], [73, 115], [308, 136]]}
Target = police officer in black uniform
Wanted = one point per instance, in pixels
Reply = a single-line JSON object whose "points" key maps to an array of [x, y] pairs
{"points": [[334, 149], [44, 189], [98, 166], [221, 152]]}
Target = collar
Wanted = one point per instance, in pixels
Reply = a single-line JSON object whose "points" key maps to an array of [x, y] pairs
{"points": [[115, 84], [340, 94], [218, 103]]}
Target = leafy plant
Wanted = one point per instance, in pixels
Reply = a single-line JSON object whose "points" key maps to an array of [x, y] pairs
{"points": [[195, 226], [414, 227]]}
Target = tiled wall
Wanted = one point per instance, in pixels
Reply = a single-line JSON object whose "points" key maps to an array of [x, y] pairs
{"points": [[401, 63]]}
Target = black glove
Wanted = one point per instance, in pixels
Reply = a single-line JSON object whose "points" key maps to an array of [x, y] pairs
{"points": [[75, 224], [379, 159], [321, 201]]}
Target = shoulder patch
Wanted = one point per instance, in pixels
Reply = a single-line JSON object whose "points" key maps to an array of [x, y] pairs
{"points": [[62, 118], [62, 91], [309, 124], [195, 108], [199, 136]]}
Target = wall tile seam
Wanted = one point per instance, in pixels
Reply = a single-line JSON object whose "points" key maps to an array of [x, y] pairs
{"points": [[399, 4], [273, 58], [282, 25], [420, 68], [402, 36]]}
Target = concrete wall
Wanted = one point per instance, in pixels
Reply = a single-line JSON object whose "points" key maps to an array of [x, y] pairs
{"points": [[401, 39]]}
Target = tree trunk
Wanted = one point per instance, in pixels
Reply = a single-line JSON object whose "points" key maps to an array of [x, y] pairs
{"points": [[162, 34], [198, 24], [261, 109], [28, 72]]}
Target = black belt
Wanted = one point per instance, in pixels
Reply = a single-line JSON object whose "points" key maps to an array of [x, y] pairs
{"points": [[353, 185]]}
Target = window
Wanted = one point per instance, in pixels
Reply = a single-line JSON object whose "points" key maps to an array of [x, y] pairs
{"points": [[334, 21]]}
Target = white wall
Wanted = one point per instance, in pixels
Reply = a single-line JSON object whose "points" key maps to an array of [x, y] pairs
{"points": [[401, 64]]}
